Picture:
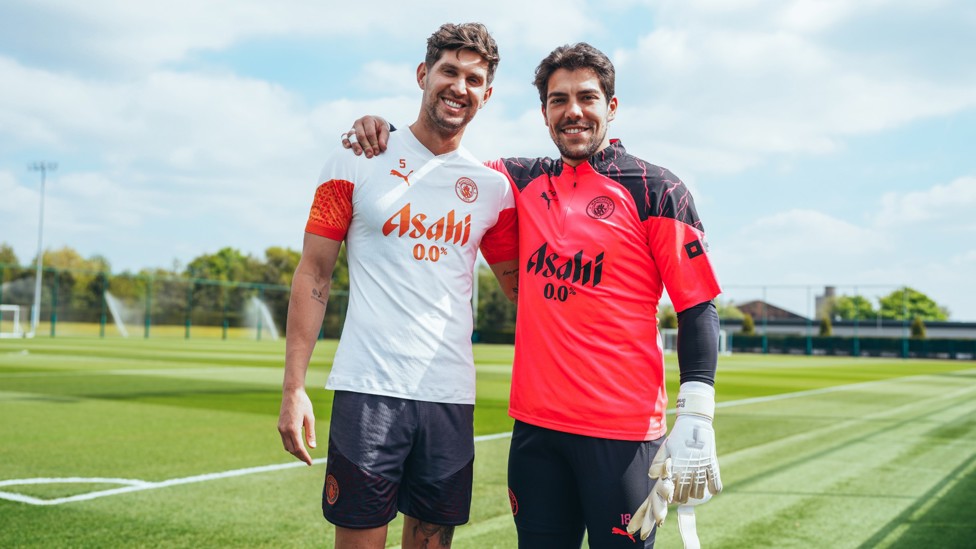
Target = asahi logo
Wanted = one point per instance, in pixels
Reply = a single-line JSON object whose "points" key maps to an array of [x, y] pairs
{"points": [[571, 269], [447, 228]]}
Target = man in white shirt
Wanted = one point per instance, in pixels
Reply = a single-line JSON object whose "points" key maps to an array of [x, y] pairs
{"points": [[401, 435]]}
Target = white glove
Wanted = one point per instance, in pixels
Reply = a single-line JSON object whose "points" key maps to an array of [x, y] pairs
{"points": [[686, 466], [655, 507]]}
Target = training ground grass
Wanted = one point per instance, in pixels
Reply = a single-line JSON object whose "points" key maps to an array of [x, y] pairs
{"points": [[160, 443]]}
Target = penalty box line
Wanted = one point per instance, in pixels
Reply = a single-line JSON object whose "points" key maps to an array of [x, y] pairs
{"points": [[135, 485]]}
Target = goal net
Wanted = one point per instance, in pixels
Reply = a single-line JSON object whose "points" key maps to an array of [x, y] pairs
{"points": [[10, 321], [669, 341]]}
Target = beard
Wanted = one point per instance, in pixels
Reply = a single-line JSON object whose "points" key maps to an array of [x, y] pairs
{"points": [[449, 125], [577, 151]]}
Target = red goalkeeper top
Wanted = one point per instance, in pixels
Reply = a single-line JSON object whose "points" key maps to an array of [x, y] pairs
{"points": [[598, 244]]}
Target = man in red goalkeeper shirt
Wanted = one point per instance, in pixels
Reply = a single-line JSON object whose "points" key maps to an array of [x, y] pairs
{"points": [[601, 234]]}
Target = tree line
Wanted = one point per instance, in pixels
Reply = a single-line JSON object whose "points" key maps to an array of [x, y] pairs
{"points": [[216, 287]]}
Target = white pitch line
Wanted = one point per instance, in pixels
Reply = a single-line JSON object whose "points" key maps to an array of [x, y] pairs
{"points": [[135, 485]]}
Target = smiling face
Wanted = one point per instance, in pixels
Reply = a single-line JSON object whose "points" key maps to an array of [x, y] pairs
{"points": [[577, 112], [455, 87]]}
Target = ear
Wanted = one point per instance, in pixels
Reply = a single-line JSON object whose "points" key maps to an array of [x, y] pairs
{"points": [[612, 109], [486, 97], [545, 119], [422, 75]]}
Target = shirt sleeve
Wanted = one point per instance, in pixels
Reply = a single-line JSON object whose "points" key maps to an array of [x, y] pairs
{"points": [[680, 252], [331, 210], [500, 242]]}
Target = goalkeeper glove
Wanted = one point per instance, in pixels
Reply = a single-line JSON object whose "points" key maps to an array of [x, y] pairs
{"points": [[685, 467]]}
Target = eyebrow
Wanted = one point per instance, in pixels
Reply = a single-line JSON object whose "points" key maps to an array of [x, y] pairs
{"points": [[580, 92], [457, 68]]}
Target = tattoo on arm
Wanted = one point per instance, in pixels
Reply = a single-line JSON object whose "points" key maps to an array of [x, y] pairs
{"points": [[511, 272], [319, 295]]}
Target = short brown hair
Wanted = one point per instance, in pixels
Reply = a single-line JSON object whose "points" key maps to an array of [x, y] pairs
{"points": [[577, 56], [466, 36]]}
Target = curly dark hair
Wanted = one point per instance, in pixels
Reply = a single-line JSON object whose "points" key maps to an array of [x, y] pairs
{"points": [[467, 36], [577, 56]]}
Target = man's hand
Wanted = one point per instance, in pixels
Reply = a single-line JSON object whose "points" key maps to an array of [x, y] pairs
{"points": [[296, 415], [369, 135], [686, 465]]}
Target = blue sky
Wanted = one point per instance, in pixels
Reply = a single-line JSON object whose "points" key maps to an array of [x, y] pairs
{"points": [[826, 142]]}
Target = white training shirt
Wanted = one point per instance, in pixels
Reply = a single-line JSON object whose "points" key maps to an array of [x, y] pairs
{"points": [[413, 223]]}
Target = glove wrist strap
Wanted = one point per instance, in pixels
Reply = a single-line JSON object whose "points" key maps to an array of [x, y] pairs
{"points": [[695, 400]]}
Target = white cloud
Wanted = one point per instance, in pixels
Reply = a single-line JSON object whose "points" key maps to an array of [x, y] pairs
{"points": [[765, 88], [952, 204], [163, 138], [105, 36], [388, 78], [904, 244]]}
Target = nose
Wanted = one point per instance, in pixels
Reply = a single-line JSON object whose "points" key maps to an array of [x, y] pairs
{"points": [[458, 87], [574, 110]]}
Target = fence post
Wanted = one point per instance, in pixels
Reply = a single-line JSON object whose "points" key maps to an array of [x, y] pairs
{"points": [[904, 322], [810, 323], [223, 296], [765, 341], [54, 301], [189, 305], [857, 316], [260, 300], [148, 321], [103, 317]]}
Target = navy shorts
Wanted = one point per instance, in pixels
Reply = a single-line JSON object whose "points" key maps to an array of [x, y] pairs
{"points": [[388, 454], [561, 485]]}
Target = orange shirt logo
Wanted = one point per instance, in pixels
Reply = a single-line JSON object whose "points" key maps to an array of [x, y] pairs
{"points": [[447, 228]]}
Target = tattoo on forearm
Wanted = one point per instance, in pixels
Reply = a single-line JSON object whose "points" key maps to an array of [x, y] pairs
{"points": [[320, 296], [511, 272]]}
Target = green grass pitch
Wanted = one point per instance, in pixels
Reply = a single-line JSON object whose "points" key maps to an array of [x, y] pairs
{"points": [[172, 443]]}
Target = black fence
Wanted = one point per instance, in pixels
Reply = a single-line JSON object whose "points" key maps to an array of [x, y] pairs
{"points": [[957, 349]]}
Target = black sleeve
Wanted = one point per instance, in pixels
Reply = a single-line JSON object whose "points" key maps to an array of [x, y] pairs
{"points": [[698, 343]]}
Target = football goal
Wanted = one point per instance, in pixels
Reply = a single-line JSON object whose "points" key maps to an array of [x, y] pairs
{"points": [[669, 341], [10, 321]]}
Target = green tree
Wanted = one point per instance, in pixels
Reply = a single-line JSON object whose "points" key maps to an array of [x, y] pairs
{"points": [[7, 256], [852, 307], [9, 265], [495, 312], [826, 328], [214, 303], [905, 303], [80, 283], [279, 265], [228, 264], [918, 328], [748, 325], [667, 318]]}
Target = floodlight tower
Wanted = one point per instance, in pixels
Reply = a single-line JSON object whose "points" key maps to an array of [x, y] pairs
{"points": [[42, 167]]}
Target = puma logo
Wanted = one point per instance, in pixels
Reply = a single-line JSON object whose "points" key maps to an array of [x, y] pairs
{"points": [[621, 532], [405, 178]]}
